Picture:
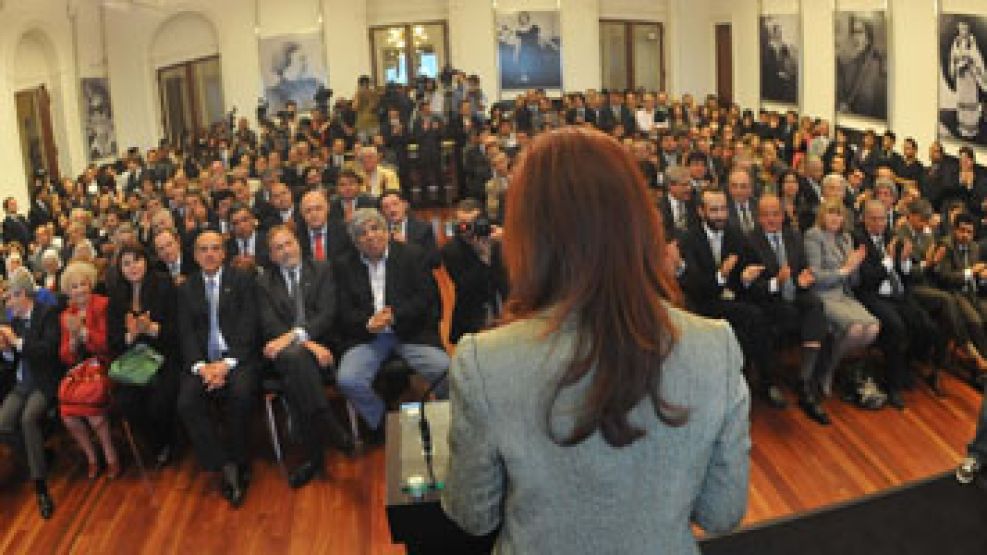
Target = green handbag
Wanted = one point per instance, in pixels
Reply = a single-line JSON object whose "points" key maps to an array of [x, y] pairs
{"points": [[136, 366]]}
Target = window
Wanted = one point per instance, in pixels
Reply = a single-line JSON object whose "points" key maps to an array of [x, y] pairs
{"points": [[632, 55], [401, 53], [191, 98]]}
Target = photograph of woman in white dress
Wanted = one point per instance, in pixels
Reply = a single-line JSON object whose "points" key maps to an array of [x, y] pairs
{"points": [[963, 84]]}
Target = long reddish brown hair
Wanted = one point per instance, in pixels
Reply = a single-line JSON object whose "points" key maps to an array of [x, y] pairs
{"points": [[583, 239]]}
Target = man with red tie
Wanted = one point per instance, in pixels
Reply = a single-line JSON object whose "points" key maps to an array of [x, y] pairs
{"points": [[320, 238]]}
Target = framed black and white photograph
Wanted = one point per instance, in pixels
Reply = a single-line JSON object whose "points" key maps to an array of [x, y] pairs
{"points": [[100, 135], [861, 41], [963, 77], [780, 40], [292, 68], [529, 48]]}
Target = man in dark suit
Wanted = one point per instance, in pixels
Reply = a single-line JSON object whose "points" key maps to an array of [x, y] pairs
{"points": [[321, 238], [783, 291], [282, 207], [39, 214], [741, 201], [678, 207], [883, 291], [620, 113], [385, 308], [29, 343], [297, 310], [348, 197], [15, 226], [168, 246], [405, 228], [714, 275], [247, 246], [962, 270], [218, 324]]}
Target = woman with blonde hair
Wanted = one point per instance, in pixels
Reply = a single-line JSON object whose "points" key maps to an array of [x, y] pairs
{"points": [[834, 263], [84, 335]]}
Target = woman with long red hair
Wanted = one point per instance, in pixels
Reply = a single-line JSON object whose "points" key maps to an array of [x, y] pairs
{"points": [[601, 418]]}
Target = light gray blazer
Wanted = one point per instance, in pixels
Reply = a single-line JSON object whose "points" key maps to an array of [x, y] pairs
{"points": [[592, 498], [826, 254]]}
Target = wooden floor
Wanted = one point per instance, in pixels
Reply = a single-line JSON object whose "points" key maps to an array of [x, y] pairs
{"points": [[796, 466]]}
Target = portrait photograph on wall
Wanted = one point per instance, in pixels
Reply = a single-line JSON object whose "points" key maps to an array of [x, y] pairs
{"points": [[529, 47], [100, 135], [780, 43], [963, 77], [292, 68], [862, 64]]}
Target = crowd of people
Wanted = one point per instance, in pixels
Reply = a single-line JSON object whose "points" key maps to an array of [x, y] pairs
{"points": [[294, 249]]}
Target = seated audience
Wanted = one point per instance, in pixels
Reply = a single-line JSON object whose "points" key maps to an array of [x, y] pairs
{"points": [[405, 228]]}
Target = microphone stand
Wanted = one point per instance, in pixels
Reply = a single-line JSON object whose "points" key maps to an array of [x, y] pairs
{"points": [[426, 432]]}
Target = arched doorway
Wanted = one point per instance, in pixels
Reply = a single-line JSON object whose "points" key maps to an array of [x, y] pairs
{"points": [[185, 56], [38, 99]]}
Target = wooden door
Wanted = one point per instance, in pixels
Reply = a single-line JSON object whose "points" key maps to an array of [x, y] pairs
{"points": [[724, 62], [47, 133], [34, 126]]}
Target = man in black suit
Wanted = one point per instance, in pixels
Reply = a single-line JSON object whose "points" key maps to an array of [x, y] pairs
{"points": [[620, 113], [385, 308], [905, 326], [783, 291], [712, 278], [218, 324], [15, 226], [477, 272], [29, 343], [321, 238], [348, 197], [282, 207], [678, 208], [297, 310], [405, 228], [168, 247], [742, 204], [247, 246], [39, 214]]}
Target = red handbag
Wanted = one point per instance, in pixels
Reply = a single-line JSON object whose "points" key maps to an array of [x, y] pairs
{"points": [[85, 389]]}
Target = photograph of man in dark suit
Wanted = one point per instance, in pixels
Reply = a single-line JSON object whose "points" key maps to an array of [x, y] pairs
{"points": [[297, 312], [218, 323]]}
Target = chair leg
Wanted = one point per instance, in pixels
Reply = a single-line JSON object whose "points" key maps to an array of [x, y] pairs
{"points": [[128, 433], [354, 422], [272, 427]]}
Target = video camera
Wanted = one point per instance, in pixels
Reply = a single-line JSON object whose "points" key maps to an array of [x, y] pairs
{"points": [[478, 228]]}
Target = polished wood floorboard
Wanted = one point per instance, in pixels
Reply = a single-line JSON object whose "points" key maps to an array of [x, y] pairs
{"points": [[796, 466]]}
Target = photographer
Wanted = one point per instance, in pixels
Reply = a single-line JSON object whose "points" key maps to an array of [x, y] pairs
{"points": [[473, 260], [366, 103], [342, 124]]}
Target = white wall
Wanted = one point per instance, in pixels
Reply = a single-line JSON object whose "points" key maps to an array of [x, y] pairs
{"points": [[691, 47]]}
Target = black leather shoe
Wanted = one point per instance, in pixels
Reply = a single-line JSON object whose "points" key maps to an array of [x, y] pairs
{"points": [[304, 474], [46, 506], [775, 397], [232, 488], [245, 475], [896, 400], [815, 411], [935, 384]]}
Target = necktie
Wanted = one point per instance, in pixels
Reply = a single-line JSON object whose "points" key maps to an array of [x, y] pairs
{"points": [[299, 298], [787, 287], [971, 286], [20, 326], [318, 246], [174, 268], [896, 286], [214, 347], [745, 218], [679, 214], [717, 247], [243, 247]]}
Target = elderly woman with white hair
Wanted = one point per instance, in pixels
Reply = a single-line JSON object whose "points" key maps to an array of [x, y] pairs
{"points": [[29, 347], [84, 335], [50, 270]]}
